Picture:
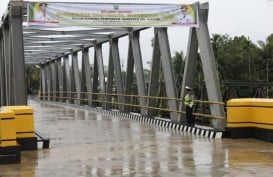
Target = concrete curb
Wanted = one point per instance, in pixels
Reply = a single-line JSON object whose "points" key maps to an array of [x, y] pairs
{"points": [[209, 133]]}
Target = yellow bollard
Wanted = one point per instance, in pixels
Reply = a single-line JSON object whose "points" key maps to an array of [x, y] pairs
{"points": [[24, 126], [7, 128], [9, 149], [24, 121]]}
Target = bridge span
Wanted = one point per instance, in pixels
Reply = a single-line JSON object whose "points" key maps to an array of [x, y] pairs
{"points": [[86, 143], [71, 56], [89, 143]]}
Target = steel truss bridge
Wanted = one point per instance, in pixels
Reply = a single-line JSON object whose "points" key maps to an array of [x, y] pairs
{"points": [[56, 51]]}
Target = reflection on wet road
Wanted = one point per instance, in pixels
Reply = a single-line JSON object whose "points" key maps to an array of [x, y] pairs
{"points": [[84, 143]]}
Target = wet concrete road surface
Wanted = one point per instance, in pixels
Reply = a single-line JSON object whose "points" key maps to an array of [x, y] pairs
{"points": [[84, 143]]}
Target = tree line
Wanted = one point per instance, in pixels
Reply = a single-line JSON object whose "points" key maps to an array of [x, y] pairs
{"points": [[237, 59]]}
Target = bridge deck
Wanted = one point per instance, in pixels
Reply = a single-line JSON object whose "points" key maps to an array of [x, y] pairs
{"points": [[84, 143]]}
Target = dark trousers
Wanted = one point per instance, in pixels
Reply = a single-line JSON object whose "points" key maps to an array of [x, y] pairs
{"points": [[189, 115]]}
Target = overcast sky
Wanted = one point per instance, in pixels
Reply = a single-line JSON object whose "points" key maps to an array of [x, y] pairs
{"points": [[252, 18]]}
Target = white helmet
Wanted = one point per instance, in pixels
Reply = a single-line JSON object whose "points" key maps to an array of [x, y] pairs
{"points": [[188, 88]]}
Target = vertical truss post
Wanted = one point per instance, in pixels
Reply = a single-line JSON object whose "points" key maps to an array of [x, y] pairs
{"points": [[95, 82], [60, 74], [7, 58], [19, 93], [76, 72], [153, 86], [209, 67], [189, 69], [43, 81], [87, 75], [68, 78], [52, 65], [118, 75], [2, 70], [99, 59], [73, 82], [64, 81], [83, 89], [136, 51], [129, 78], [167, 71], [110, 77], [49, 81]]}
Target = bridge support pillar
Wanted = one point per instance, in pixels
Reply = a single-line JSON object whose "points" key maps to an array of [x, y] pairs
{"points": [[167, 71], [2, 69], [136, 53], [68, 79], [110, 80], [117, 72], [60, 82], [43, 81], [100, 73], [154, 75], [129, 78], [54, 77], [77, 79], [12, 70], [17, 92], [200, 36], [49, 81], [189, 69], [86, 75]]}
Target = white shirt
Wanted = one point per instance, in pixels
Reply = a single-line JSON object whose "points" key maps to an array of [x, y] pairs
{"points": [[187, 18], [40, 17]]}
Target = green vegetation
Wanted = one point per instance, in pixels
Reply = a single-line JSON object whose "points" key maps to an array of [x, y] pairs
{"points": [[237, 59], [32, 79]]}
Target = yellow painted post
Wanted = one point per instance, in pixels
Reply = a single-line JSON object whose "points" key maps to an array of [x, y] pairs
{"points": [[24, 121], [7, 128], [24, 126], [9, 149]]}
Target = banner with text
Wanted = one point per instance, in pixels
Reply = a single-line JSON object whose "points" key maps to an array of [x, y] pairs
{"points": [[106, 15]]}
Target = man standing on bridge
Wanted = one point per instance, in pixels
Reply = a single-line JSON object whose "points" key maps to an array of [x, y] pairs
{"points": [[188, 102]]}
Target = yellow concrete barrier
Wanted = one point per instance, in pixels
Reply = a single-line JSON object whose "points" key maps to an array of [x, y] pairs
{"points": [[24, 121], [250, 117], [7, 128], [9, 148]]}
